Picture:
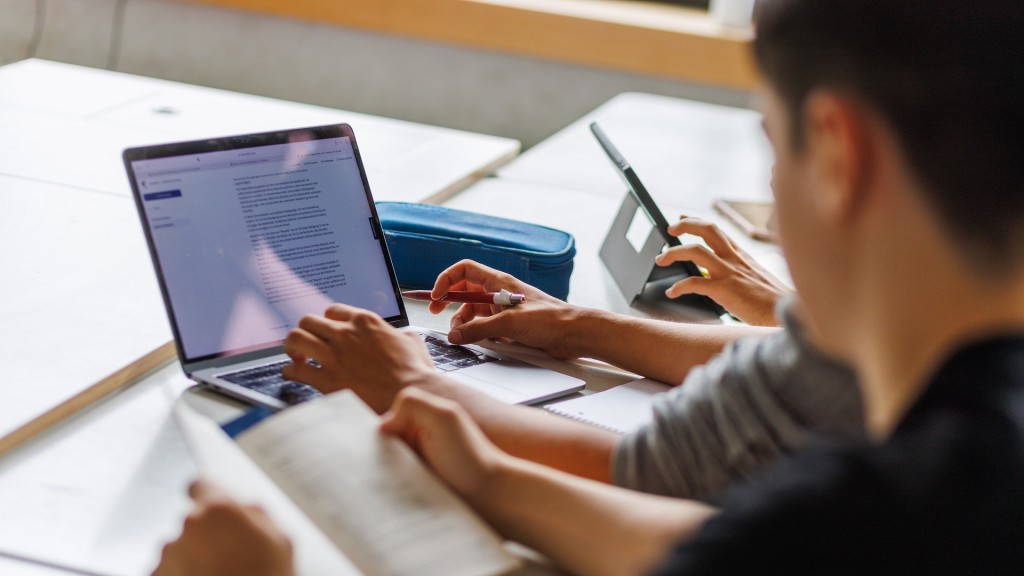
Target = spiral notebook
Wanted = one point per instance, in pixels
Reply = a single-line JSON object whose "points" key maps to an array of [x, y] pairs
{"points": [[621, 409]]}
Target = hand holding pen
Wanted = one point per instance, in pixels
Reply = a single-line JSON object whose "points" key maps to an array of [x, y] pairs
{"points": [[544, 322], [502, 298]]}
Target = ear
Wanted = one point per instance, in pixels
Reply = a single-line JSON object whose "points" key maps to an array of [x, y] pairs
{"points": [[839, 151]]}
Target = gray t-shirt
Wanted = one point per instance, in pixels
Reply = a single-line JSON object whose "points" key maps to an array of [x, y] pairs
{"points": [[760, 399]]}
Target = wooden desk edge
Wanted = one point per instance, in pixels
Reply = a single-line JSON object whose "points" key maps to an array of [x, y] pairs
{"points": [[92, 394], [637, 37]]}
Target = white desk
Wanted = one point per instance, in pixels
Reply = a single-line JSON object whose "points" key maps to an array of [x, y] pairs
{"points": [[79, 300], [68, 125], [686, 153]]}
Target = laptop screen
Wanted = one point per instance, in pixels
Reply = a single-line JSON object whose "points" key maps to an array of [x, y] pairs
{"points": [[250, 236]]}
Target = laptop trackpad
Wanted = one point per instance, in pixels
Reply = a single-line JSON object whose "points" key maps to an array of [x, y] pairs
{"points": [[517, 382]]}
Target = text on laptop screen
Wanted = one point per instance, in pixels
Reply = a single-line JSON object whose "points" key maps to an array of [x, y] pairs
{"points": [[251, 239]]}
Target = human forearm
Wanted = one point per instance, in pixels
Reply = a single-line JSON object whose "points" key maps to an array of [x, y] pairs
{"points": [[661, 350], [535, 434], [583, 526]]}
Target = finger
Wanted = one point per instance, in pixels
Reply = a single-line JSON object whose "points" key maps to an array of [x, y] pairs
{"points": [[464, 314], [463, 285], [171, 562], [203, 491], [472, 273], [691, 285], [319, 326], [396, 418], [468, 312], [259, 517], [457, 275], [300, 346], [695, 253], [708, 231], [436, 307], [414, 409], [315, 377], [400, 420], [342, 312], [480, 328], [440, 306], [420, 346], [360, 319]]}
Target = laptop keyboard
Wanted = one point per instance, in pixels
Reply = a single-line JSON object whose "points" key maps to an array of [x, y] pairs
{"points": [[449, 357], [267, 379]]}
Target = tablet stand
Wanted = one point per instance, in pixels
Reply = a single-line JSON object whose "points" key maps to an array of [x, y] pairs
{"points": [[639, 279]]}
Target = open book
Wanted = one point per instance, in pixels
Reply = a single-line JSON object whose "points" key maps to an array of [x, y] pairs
{"points": [[352, 499]]}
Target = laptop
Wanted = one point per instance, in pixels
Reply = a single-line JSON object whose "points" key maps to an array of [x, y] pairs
{"points": [[249, 233]]}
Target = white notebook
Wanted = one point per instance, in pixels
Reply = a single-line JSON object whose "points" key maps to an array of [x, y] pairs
{"points": [[621, 409]]}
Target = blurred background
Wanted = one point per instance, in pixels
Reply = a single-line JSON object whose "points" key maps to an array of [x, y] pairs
{"points": [[516, 68]]}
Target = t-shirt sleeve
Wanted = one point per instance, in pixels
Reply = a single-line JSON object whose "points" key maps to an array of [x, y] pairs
{"points": [[760, 399]]}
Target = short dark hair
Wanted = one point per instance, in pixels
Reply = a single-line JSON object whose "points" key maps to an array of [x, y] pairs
{"points": [[948, 78]]}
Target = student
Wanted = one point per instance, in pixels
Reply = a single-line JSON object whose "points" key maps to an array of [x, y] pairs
{"points": [[896, 126]]}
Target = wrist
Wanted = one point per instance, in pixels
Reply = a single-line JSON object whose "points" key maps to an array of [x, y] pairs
{"points": [[497, 473], [586, 329], [431, 381]]}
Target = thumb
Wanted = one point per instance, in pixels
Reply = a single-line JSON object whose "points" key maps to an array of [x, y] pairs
{"points": [[202, 490], [480, 328], [690, 285]]}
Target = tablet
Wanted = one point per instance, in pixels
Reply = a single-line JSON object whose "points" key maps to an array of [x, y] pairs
{"points": [[643, 198]]}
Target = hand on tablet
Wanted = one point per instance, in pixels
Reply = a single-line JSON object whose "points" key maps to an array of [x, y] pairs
{"points": [[735, 280]]}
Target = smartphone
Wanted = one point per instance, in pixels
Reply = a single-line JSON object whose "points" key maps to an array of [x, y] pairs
{"points": [[753, 218]]}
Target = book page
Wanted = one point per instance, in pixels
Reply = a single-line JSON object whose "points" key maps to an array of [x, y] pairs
{"points": [[222, 462], [370, 494]]}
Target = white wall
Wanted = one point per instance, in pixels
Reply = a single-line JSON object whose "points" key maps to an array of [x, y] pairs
{"points": [[435, 83]]}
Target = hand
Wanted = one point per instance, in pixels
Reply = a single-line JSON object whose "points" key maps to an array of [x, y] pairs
{"points": [[735, 280], [444, 436], [354, 348], [222, 536], [542, 321]]}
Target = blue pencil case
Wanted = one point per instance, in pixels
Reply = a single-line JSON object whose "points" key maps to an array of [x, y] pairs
{"points": [[425, 239]]}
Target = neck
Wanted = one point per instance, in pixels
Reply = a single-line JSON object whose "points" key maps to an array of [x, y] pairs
{"points": [[929, 306], [911, 355]]}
